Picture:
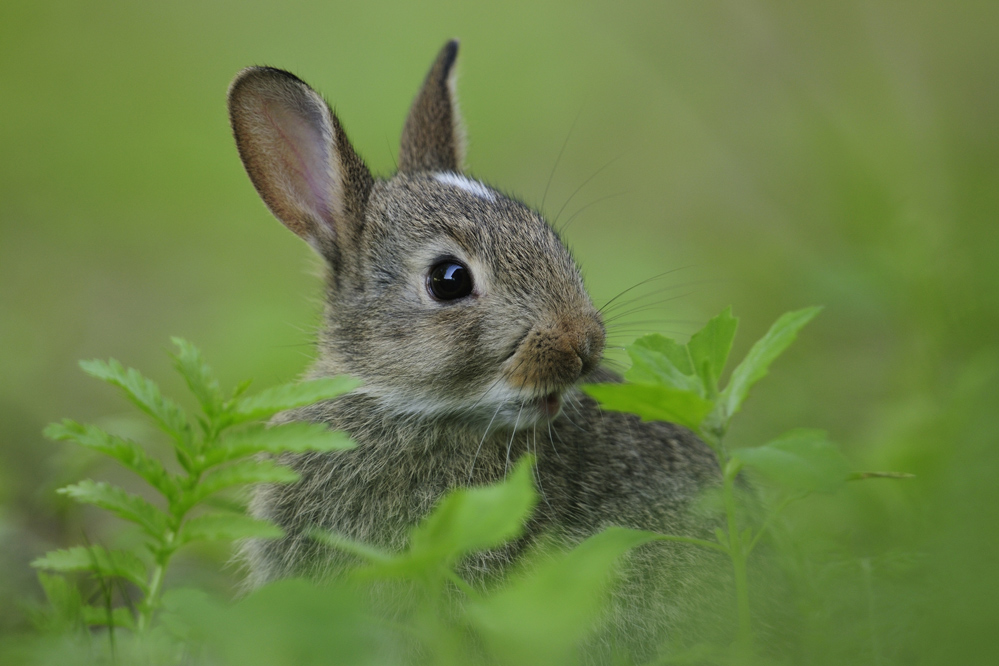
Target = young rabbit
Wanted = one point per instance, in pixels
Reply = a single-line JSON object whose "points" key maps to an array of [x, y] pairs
{"points": [[467, 320]]}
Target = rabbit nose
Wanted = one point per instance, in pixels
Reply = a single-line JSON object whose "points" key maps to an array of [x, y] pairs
{"points": [[556, 355]]}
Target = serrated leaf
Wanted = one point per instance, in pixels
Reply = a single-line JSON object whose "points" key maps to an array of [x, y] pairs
{"points": [[95, 616], [65, 602], [96, 560], [288, 437], [242, 473], [542, 617], [801, 460], [227, 527], [198, 375], [288, 396], [123, 504], [145, 394], [754, 367], [709, 349], [656, 359], [128, 453], [652, 403]]}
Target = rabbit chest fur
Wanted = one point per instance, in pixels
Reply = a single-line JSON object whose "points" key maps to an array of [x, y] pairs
{"points": [[467, 321]]}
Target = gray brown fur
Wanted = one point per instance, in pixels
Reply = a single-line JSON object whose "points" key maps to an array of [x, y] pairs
{"points": [[453, 392]]}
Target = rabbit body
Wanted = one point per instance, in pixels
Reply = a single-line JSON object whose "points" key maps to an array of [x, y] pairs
{"points": [[467, 321]]}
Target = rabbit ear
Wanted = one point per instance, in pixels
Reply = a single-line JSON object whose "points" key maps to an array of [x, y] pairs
{"points": [[298, 156], [433, 138]]}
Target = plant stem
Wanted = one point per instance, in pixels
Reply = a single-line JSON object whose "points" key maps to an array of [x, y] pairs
{"points": [[152, 600], [737, 552]]}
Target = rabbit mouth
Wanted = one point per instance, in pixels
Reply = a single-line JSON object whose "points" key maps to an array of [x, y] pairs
{"points": [[549, 405]]}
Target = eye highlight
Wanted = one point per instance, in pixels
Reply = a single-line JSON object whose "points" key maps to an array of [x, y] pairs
{"points": [[449, 280]]}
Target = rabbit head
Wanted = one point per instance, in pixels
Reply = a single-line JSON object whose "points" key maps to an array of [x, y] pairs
{"points": [[445, 297]]}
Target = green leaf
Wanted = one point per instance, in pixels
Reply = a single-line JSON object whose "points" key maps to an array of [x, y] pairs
{"points": [[96, 560], [123, 504], [709, 349], [861, 476], [754, 367], [227, 527], [290, 437], [95, 616], [146, 396], [473, 519], [288, 396], [466, 520], [199, 376], [652, 403], [541, 618], [63, 614], [128, 453], [656, 359], [801, 460], [242, 473]]}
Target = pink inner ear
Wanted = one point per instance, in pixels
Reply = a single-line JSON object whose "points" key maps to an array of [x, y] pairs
{"points": [[303, 147]]}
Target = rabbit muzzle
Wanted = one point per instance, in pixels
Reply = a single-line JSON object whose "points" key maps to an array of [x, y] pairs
{"points": [[552, 357]]}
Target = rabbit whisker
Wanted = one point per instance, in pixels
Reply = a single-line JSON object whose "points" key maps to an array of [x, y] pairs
{"points": [[534, 467], [604, 307], [471, 469], [509, 445], [558, 159], [584, 183]]}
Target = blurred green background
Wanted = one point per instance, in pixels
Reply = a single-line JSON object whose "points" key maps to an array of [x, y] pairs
{"points": [[776, 154]]}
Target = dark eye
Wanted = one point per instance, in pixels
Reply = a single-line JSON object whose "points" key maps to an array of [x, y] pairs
{"points": [[449, 280]]}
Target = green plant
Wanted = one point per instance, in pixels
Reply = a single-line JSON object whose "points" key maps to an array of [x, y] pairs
{"points": [[681, 383], [541, 613], [216, 455]]}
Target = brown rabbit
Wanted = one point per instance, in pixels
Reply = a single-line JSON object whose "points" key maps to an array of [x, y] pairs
{"points": [[467, 320]]}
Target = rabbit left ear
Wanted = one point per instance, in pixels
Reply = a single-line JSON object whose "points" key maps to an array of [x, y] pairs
{"points": [[298, 157], [433, 136]]}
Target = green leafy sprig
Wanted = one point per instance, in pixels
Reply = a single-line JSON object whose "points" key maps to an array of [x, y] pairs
{"points": [[215, 454], [669, 381]]}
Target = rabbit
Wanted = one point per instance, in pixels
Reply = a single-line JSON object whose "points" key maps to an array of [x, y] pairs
{"points": [[467, 320]]}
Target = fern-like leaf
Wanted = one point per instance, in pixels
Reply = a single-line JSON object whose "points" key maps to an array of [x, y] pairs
{"points": [[127, 452], [238, 474], [96, 560], [199, 376], [145, 394], [290, 437], [288, 396], [227, 527], [123, 504]]}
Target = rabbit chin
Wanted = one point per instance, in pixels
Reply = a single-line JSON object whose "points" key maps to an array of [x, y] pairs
{"points": [[499, 407]]}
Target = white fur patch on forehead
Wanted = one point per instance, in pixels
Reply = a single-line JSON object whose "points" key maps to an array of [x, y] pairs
{"points": [[473, 187]]}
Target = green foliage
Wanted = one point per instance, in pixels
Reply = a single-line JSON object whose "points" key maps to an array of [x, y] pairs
{"points": [[415, 606], [801, 460], [213, 458], [544, 616], [467, 520], [680, 383]]}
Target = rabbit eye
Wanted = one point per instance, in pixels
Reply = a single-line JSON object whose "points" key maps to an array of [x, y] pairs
{"points": [[449, 280]]}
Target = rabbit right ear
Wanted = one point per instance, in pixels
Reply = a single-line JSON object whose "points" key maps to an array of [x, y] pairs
{"points": [[298, 156]]}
